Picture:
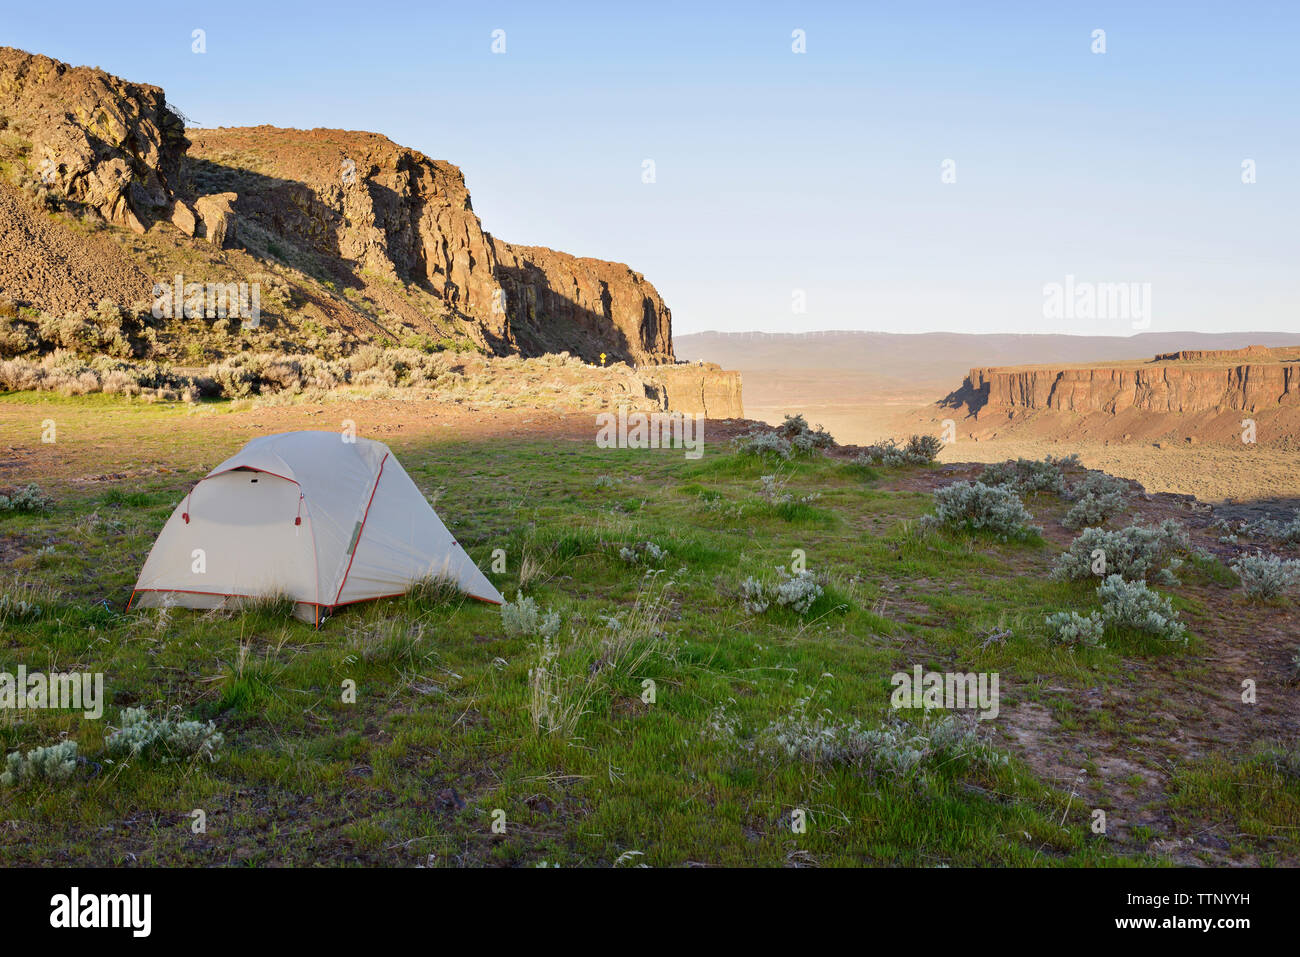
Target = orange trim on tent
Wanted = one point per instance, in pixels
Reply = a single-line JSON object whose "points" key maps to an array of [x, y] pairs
{"points": [[316, 604], [249, 468], [399, 594], [218, 594]]}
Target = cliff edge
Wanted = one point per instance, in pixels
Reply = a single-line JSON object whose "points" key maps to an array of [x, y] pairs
{"points": [[354, 234]]}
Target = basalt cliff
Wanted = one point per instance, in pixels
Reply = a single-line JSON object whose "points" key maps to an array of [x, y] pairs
{"points": [[105, 192], [1197, 392], [397, 214]]}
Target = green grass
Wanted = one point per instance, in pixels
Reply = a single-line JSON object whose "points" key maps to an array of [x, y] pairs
{"points": [[441, 735], [1256, 796]]}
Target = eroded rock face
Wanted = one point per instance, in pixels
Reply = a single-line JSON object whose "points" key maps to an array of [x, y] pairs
{"points": [[351, 200], [95, 138], [554, 299], [703, 387], [398, 213], [359, 197], [1155, 388], [1203, 355]]}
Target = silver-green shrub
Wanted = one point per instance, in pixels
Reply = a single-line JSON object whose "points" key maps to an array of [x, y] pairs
{"points": [[522, 618], [1093, 509], [643, 553], [802, 437], [1136, 553], [163, 739], [1030, 475], [1096, 498], [894, 747], [753, 596], [798, 592], [980, 507], [1284, 533], [1098, 483], [28, 498], [16, 607], [919, 450], [1266, 576], [720, 727], [57, 762], [763, 442], [1071, 628], [1131, 604], [792, 437], [771, 489]]}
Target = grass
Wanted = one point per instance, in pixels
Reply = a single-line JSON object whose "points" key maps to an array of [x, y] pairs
{"points": [[395, 733]]}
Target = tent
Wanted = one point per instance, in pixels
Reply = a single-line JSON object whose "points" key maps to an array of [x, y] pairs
{"points": [[326, 518]]}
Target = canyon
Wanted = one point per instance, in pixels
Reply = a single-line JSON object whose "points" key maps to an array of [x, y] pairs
{"points": [[1213, 414]]}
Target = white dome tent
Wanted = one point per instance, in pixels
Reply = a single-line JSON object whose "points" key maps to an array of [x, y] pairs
{"points": [[323, 518]]}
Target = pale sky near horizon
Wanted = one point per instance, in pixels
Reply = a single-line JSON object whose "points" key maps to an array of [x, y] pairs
{"points": [[819, 173]]}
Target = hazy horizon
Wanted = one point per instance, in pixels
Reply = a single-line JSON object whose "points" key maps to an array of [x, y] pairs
{"points": [[967, 332]]}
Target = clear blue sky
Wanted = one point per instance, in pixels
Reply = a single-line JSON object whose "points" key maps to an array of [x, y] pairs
{"points": [[819, 171]]}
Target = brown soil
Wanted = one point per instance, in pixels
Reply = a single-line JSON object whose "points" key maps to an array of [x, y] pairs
{"points": [[53, 265]]}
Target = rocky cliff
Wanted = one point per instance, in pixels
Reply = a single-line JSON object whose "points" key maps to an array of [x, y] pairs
{"points": [[357, 201], [1203, 398], [702, 387], [1213, 355], [353, 210], [397, 213], [553, 298], [1153, 388], [111, 145]]}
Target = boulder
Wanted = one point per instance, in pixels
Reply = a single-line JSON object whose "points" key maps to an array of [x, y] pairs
{"points": [[217, 210], [183, 218]]}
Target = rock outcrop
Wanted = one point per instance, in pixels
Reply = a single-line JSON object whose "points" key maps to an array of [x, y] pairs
{"points": [[360, 198], [1210, 355], [553, 299], [703, 387], [1161, 386], [353, 205], [396, 212], [111, 145]]}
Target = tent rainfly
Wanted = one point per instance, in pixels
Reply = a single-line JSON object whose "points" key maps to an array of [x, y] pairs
{"points": [[323, 518]]}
